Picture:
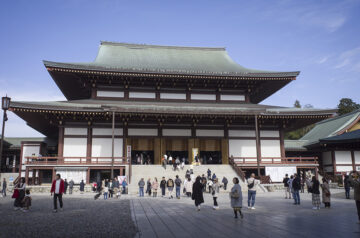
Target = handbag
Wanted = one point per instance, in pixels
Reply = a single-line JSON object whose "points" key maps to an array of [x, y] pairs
{"points": [[15, 194], [235, 194]]}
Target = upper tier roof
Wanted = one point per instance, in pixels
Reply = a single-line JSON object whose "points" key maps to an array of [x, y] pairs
{"points": [[123, 57]]}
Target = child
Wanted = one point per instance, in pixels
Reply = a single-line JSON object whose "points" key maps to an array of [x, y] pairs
{"points": [[236, 198], [26, 202], [106, 191]]}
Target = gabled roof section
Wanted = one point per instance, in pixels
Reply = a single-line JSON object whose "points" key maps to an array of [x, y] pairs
{"points": [[349, 137], [331, 127], [124, 57]]}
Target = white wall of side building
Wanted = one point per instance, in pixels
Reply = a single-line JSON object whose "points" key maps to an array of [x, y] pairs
{"points": [[357, 157], [343, 157]]}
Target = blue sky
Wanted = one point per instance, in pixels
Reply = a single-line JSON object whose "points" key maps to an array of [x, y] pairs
{"points": [[319, 38]]}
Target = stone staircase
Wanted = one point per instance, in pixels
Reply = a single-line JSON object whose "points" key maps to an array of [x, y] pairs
{"points": [[152, 171]]}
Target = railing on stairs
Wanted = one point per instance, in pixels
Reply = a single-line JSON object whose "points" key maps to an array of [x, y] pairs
{"points": [[237, 169]]}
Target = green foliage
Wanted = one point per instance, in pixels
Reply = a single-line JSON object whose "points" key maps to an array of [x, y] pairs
{"points": [[297, 104], [347, 105]]}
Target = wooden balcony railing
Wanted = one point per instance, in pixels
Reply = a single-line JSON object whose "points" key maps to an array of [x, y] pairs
{"points": [[75, 160], [269, 160]]}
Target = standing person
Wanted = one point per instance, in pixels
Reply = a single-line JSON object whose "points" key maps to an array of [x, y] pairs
{"points": [[26, 202], [57, 188], [82, 186], [302, 182], [209, 174], [178, 186], [141, 187], [170, 186], [4, 186], [215, 193], [325, 193], [106, 191], [111, 187], [116, 187], [236, 198], [164, 161], [286, 186], [354, 180], [213, 177], [174, 166], [177, 161], [124, 185], [148, 187], [71, 186], [182, 163], [210, 185], [20, 191], [314, 186], [225, 182], [204, 182], [347, 186], [188, 187], [66, 184], [290, 185], [163, 186], [252, 184], [155, 187], [296, 186], [197, 193]]}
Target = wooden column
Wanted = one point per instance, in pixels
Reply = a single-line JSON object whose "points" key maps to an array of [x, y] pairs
{"points": [[333, 161], [157, 150], [258, 151], [33, 176], [27, 175], [225, 150], [353, 160], [61, 142], [89, 145], [112, 145], [190, 146], [282, 146], [88, 176], [53, 174]]}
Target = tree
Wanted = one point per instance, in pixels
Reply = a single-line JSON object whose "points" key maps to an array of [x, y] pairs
{"points": [[297, 104], [297, 134], [347, 105]]}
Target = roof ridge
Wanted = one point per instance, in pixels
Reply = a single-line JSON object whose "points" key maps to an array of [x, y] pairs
{"points": [[161, 46], [338, 117]]}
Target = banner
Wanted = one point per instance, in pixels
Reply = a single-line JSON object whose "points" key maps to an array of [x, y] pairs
{"points": [[277, 174]]}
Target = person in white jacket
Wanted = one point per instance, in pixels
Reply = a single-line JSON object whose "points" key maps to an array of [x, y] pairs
{"points": [[215, 192], [188, 186]]}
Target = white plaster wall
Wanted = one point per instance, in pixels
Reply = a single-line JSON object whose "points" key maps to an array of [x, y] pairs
{"points": [[199, 96], [269, 134], [241, 133], [180, 96], [107, 131], [343, 157], [344, 168], [242, 148], [228, 97], [75, 174], [270, 148], [176, 132], [28, 150], [326, 156], [142, 132], [102, 147], [111, 94], [357, 157], [211, 133], [75, 147], [75, 131], [149, 95]]}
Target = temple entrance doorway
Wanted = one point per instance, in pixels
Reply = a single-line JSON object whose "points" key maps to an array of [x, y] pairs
{"points": [[210, 151], [142, 157], [142, 150], [177, 148]]}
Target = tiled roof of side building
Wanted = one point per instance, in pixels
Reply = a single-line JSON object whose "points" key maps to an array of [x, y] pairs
{"points": [[353, 136], [330, 127], [169, 107], [295, 145], [124, 57]]}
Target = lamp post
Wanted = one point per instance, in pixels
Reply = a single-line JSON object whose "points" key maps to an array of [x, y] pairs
{"points": [[5, 104]]}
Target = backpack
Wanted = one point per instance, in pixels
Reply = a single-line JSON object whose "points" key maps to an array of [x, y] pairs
{"points": [[178, 182], [170, 183], [252, 184]]}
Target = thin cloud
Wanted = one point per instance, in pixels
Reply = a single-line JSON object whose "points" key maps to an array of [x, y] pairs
{"points": [[349, 60]]}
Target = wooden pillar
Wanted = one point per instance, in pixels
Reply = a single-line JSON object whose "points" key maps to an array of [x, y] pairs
{"points": [[157, 150], [88, 176], [225, 150], [27, 175], [89, 144], [33, 176], [190, 146], [258, 151], [53, 174], [353, 160], [122, 173], [333, 161], [282, 146], [61, 142]]}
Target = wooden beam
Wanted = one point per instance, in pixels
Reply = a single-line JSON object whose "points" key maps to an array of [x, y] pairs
{"points": [[258, 149]]}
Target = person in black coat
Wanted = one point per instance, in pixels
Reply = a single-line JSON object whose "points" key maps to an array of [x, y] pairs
{"points": [[163, 186], [82, 186], [66, 184], [197, 193], [347, 186]]}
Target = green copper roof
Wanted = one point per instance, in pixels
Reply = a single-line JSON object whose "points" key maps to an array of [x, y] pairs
{"points": [[349, 137], [123, 57], [330, 127], [295, 145]]}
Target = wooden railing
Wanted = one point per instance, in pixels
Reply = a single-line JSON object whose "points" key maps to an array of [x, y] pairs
{"points": [[75, 160], [270, 160], [237, 169]]}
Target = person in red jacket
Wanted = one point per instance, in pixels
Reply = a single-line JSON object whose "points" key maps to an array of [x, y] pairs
{"points": [[57, 188]]}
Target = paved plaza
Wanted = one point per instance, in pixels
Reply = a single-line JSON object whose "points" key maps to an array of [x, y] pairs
{"points": [[131, 216]]}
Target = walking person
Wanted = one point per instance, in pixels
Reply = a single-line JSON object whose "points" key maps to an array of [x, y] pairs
{"points": [[4, 186], [326, 195], [82, 186], [215, 193], [66, 184], [188, 187], [163, 186], [197, 193], [26, 202], [148, 187], [209, 174], [296, 186], [170, 186], [155, 187], [354, 179], [286, 187], [124, 185], [236, 198], [314, 189], [225, 182], [252, 185], [71, 186], [19, 193], [347, 186], [141, 187], [210, 185], [178, 186], [57, 188]]}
